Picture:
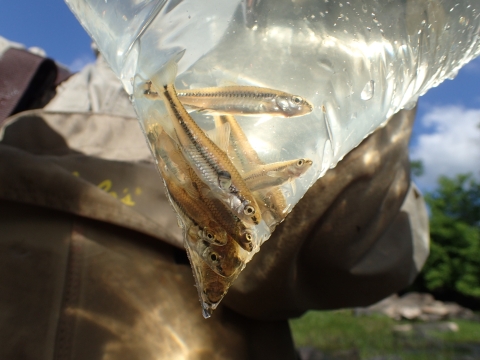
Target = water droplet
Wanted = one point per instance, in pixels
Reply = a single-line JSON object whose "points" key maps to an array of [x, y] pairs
{"points": [[368, 90]]}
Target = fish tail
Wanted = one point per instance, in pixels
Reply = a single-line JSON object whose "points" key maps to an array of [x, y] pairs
{"points": [[166, 75]]}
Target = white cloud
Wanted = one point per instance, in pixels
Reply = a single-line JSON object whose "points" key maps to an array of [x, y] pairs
{"points": [[80, 62], [452, 147]]}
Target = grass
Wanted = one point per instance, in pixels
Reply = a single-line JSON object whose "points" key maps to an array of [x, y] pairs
{"points": [[369, 336]]}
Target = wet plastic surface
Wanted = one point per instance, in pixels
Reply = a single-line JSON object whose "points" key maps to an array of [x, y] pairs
{"points": [[357, 62]]}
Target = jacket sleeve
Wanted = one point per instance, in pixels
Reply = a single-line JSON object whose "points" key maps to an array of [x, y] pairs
{"points": [[359, 234]]}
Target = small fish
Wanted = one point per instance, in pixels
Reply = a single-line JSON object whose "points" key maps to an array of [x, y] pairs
{"points": [[211, 164], [225, 260], [244, 236], [186, 203], [245, 100], [211, 286], [274, 174], [166, 152], [244, 155], [272, 202], [274, 206], [216, 208]]}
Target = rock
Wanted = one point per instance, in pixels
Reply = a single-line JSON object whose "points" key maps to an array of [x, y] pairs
{"points": [[417, 306], [410, 312], [436, 309]]}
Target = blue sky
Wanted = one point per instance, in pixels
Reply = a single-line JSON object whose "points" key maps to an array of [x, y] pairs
{"points": [[446, 134], [47, 24]]}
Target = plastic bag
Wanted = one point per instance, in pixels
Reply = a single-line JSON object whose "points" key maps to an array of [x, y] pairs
{"points": [[356, 62]]}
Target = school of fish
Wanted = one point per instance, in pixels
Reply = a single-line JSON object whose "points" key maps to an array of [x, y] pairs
{"points": [[216, 182]]}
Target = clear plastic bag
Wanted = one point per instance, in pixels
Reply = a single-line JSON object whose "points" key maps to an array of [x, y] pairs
{"points": [[357, 62]]}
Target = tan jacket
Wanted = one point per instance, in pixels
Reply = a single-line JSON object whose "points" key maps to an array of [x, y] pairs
{"points": [[91, 262]]}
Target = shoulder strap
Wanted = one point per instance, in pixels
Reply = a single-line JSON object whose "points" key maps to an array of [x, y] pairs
{"points": [[24, 79]]}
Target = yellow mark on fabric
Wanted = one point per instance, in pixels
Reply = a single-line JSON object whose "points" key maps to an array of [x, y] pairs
{"points": [[127, 200], [106, 185]]}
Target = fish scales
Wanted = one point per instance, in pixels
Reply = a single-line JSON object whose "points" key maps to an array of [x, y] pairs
{"points": [[239, 144], [276, 174], [272, 198], [245, 100], [232, 224], [193, 210], [210, 161]]}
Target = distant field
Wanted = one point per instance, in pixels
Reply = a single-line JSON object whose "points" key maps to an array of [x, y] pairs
{"points": [[337, 333]]}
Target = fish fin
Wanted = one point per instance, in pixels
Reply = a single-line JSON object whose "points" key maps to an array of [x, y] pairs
{"points": [[224, 83], [293, 184], [235, 160], [275, 174], [212, 134], [220, 136], [140, 86], [206, 192], [166, 75], [161, 117], [219, 120], [190, 189], [223, 137], [198, 86]]}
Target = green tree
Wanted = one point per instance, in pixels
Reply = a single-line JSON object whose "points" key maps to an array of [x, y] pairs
{"points": [[416, 167], [454, 261]]}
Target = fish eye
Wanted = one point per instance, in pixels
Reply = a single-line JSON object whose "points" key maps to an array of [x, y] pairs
{"points": [[249, 210], [297, 100], [300, 162], [210, 236], [249, 237], [214, 257]]}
